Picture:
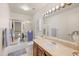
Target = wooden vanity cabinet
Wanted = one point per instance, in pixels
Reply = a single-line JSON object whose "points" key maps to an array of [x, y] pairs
{"points": [[39, 51], [34, 49]]}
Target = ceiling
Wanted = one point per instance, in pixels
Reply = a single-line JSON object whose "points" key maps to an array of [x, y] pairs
{"points": [[34, 7]]}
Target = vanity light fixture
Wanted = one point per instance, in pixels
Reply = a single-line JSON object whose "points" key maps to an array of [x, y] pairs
{"points": [[57, 7], [68, 3], [62, 5], [53, 9], [47, 12], [50, 11]]}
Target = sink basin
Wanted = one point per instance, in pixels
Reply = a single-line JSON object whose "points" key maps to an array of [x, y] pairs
{"points": [[53, 43], [50, 45]]}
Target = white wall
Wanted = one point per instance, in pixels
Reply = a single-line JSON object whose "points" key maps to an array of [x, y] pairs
{"points": [[18, 16], [4, 19], [4, 16]]}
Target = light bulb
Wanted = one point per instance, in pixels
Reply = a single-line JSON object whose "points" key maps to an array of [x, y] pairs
{"points": [[62, 5], [50, 11], [47, 12], [53, 9], [57, 7]]}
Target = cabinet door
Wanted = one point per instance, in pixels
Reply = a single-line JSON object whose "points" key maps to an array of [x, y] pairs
{"points": [[47, 54], [34, 49], [40, 51]]}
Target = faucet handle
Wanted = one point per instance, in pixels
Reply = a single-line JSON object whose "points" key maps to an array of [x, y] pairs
{"points": [[75, 53]]}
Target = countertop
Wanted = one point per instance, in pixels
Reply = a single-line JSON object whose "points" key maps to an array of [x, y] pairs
{"points": [[55, 48]]}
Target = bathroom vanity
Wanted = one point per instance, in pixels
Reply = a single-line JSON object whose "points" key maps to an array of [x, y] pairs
{"points": [[39, 51], [51, 47]]}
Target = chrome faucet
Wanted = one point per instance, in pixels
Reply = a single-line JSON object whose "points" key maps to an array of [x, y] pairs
{"points": [[75, 32]]}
